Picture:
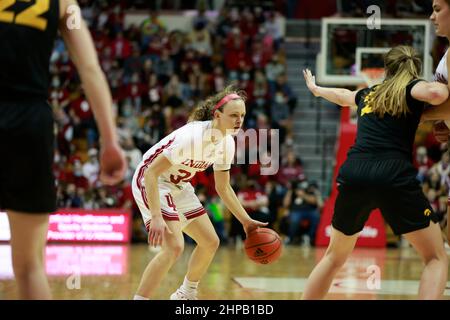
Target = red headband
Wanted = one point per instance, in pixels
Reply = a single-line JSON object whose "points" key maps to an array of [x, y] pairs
{"points": [[228, 97]]}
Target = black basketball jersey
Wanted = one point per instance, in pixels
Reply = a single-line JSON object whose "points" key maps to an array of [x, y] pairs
{"points": [[28, 30], [387, 137]]}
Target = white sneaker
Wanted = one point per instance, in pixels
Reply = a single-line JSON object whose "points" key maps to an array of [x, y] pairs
{"points": [[180, 295]]}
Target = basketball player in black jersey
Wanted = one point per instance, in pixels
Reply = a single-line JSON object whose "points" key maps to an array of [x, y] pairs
{"points": [[378, 171], [27, 187]]}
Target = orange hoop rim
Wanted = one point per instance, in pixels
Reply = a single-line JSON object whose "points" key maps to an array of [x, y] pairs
{"points": [[373, 75]]}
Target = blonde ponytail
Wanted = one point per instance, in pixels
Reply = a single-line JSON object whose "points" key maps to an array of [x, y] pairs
{"points": [[402, 65]]}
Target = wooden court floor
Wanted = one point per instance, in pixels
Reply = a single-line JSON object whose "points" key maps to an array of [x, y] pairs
{"points": [[113, 272]]}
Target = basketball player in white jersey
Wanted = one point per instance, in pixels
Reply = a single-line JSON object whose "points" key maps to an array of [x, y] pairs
{"points": [[167, 200], [441, 20]]}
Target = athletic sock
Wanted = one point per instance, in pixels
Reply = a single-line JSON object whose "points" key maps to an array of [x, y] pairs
{"points": [[189, 286]]}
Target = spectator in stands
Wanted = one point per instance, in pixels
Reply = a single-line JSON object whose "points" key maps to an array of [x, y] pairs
{"points": [[150, 27], [200, 40], [291, 170], [281, 85], [164, 68], [255, 201], [273, 69], [273, 27], [71, 198], [303, 202], [133, 63], [442, 168], [121, 47], [134, 154], [422, 162], [91, 168], [173, 92], [104, 199], [434, 181], [273, 193]]}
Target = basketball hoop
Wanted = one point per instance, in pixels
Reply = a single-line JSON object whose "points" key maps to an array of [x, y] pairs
{"points": [[372, 76]]}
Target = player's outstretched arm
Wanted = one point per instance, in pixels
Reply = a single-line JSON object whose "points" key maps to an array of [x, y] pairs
{"points": [[229, 198], [82, 52], [342, 97]]}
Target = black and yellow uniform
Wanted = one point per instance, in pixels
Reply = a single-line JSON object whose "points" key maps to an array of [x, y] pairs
{"points": [[379, 173], [27, 31]]}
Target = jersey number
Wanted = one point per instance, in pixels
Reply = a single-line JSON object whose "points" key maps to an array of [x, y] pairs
{"points": [[28, 17], [170, 202], [184, 176]]}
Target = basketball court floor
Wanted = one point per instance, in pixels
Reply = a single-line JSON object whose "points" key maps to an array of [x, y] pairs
{"points": [[111, 272]]}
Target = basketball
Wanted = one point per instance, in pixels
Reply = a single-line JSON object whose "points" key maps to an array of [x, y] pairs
{"points": [[263, 245]]}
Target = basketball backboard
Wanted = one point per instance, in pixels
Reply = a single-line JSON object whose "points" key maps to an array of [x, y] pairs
{"points": [[348, 46]]}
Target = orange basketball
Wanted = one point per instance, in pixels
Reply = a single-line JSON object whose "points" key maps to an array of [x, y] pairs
{"points": [[263, 245]]}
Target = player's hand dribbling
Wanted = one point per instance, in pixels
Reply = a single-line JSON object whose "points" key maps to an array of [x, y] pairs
{"points": [[112, 164], [251, 225], [156, 231], [310, 81]]}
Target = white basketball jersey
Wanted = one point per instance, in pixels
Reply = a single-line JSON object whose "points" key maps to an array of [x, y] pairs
{"points": [[190, 150], [441, 75]]}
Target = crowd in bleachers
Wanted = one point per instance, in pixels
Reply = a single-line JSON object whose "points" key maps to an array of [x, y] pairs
{"points": [[433, 164]]}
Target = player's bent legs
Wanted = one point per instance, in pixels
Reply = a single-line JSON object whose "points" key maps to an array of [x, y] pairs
{"points": [[320, 279], [171, 249], [428, 243], [28, 240], [203, 233]]}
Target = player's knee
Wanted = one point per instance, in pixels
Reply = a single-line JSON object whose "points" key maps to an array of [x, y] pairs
{"points": [[25, 267], [336, 259], [439, 255], [178, 250], [175, 250], [211, 243], [214, 243]]}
